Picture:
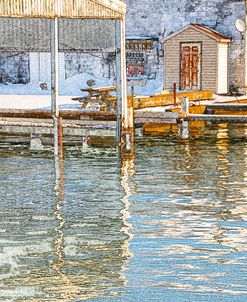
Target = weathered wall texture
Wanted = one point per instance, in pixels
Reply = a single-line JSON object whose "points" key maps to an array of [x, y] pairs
{"points": [[93, 64], [15, 67], [156, 18], [163, 17]]}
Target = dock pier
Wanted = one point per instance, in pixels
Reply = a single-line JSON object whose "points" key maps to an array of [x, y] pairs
{"points": [[83, 125]]}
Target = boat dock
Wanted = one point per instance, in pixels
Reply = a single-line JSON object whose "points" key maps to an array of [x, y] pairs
{"points": [[84, 124]]}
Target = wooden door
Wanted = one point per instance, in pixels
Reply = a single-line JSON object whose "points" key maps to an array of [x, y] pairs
{"points": [[190, 66]]}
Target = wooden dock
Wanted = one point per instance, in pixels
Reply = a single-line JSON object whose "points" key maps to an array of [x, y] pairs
{"points": [[81, 124]]}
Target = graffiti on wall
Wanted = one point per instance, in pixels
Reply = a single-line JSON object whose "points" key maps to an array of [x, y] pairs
{"points": [[137, 52], [135, 65]]}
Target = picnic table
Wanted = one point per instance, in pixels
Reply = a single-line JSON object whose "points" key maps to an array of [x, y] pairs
{"points": [[99, 95]]}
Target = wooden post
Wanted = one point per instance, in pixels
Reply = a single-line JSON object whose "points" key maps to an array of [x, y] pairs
{"points": [[185, 123], [125, 124], [246, 47], [119, 80], [174, 94], [60, 138], [54, 83]]}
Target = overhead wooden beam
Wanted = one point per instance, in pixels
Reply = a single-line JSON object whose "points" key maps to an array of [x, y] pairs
{"points": [[63, 9]]}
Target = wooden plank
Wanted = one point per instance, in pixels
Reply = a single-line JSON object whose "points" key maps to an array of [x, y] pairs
{"points": [[40, 121], [155, 120], [235, 107], [66, 114], [218, 118], [167, 99], [196, 109], [160, 115], [68, 131]]}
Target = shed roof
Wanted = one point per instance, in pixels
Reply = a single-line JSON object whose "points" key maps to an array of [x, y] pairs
{"points": [[114, 9], [215, 35]]}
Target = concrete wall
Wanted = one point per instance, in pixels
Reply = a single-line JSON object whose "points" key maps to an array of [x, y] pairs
{"points": [[163, 17], [157, 18], [15, 67]]}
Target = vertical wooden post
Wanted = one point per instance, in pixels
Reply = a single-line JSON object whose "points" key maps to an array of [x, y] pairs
{"points": [[125, 123], [185, 123], [174, 94], [54, 83], [185, 105], [60, 138], [246, 47], [119, 80]]}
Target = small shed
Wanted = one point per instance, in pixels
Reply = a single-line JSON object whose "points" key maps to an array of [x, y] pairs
{"points": [[197, 58]]}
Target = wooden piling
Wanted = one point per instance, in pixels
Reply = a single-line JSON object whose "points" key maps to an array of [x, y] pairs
{"points": [[54, 84], [174, 94], [185, 123], [60, 138], [118, 47]]}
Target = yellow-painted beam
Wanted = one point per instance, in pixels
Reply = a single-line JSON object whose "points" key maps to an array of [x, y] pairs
{"points": [[168, 99]]}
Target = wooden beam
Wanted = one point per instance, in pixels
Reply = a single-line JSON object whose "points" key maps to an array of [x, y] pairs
{"points": [[234, 107], [217, 118], [168, 99], [111, 9], [66, 114]]}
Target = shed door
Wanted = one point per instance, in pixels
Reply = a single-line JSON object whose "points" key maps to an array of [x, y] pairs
{"points": [[190, 66]]}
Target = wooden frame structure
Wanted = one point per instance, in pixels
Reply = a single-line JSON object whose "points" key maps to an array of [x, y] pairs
{"points": [[80, 9]]}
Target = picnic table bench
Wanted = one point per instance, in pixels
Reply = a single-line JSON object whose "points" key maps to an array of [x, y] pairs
{"points": [[100, 95]]}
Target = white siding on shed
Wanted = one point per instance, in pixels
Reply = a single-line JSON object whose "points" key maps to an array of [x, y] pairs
{"points": [[222, 78]]}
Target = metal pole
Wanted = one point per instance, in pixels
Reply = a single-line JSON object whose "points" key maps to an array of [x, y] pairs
{"points": [[54, 82]]}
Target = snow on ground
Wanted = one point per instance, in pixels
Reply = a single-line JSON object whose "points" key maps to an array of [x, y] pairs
{"points": [[70, 86], [31, 96], [11, 101], [73, 85]]}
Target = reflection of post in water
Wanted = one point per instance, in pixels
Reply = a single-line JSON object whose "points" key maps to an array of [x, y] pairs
{"points": [[127, 172], [223, 162], [66, 289], [59, 192], [189, 163]]}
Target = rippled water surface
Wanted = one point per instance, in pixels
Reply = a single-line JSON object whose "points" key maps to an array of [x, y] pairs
{"points": [[169, 224]]}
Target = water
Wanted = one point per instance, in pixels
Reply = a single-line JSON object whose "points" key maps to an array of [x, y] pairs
{"points": [[168, 225]]}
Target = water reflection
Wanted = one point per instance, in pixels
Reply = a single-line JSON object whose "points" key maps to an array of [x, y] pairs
{"points": [[168, 222], [127, 183]]}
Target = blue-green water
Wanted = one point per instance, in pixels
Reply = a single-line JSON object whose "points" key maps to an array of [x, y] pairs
{"points": [[168, 225]]}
